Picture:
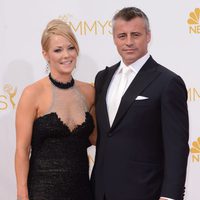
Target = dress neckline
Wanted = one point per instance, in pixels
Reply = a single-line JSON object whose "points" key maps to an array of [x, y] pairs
{"points": [[61, 85]]}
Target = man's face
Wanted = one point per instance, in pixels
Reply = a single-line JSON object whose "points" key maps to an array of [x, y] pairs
{"points": [[131, 39]]}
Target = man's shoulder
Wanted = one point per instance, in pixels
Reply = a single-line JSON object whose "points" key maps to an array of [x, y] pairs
{"points": [[107, 69], [166, 74], [169, 76], [165, 71]]}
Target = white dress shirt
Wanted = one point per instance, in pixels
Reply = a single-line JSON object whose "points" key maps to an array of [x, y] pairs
{"points": [[134, 68]]}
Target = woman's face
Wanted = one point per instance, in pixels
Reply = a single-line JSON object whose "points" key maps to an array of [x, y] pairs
{"points": [[61, 55]]}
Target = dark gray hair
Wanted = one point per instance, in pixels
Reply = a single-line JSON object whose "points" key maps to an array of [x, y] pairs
{"points": [[129, 13]]}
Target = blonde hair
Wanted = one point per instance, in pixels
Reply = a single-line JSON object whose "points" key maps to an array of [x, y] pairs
{"points": [[58, 27]]}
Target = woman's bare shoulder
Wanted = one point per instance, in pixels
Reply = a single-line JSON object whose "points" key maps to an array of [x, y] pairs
{"points": [[35, 89], [88, 90]]}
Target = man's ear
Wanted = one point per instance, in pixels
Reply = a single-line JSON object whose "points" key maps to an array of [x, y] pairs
{"points": [[149, 36]]}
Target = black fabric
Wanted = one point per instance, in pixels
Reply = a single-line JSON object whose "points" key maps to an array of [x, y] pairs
{"points": [[59, 163], [143, 155]]}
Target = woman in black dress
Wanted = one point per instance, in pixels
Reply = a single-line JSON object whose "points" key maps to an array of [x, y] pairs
{"points": [[54, 122]]}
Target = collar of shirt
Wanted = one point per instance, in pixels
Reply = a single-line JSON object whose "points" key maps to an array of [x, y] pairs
{"points": [[136, 66]]}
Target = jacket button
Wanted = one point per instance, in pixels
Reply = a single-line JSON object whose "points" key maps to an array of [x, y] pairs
{"points": [[109, 134]]}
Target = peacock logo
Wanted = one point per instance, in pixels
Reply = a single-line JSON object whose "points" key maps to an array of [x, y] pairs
{"points": [[194, 16], [195, 150], [194, 21], [196, 146]]}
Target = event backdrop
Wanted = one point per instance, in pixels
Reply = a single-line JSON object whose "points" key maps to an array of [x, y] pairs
{"points": [[175, 43]]}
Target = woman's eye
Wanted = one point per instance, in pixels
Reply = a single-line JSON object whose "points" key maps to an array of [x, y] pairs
{"points": [[57, 50], [71, 48]]}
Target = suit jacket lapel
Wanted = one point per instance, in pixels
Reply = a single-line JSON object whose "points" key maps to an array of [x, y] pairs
{"points": [[144, 77], [102, 105]]}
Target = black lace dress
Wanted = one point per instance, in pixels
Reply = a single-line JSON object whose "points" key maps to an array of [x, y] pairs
{"points": [[59, 167]]}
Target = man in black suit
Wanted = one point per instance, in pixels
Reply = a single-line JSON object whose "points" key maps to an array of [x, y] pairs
{"points": [[142, 120]]}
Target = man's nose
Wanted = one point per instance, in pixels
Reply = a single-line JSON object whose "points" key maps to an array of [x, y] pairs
{"points": [[129, 41]]}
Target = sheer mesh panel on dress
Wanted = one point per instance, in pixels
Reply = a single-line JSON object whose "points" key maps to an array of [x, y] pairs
{"points": [[69, 105]]}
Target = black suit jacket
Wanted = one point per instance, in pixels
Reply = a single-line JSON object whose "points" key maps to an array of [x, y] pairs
{"points": [[144, 154]]}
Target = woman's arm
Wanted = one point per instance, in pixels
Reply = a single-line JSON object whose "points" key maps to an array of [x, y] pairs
{"points": [[93, 136], [25, 116], [89, 92]]}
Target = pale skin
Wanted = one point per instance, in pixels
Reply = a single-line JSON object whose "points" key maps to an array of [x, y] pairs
{"points": [[131, 39], [36, 99]]}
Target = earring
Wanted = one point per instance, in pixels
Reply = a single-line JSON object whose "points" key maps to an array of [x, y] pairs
{"points": [[47, 67]]}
